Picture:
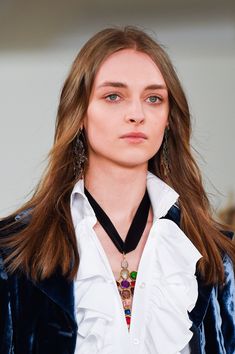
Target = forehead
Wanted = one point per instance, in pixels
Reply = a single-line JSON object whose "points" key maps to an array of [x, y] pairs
{"points": [[129, 65]]}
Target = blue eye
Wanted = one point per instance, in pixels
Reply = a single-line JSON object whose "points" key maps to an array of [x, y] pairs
{"points": [[154, 99], [112, 97]]}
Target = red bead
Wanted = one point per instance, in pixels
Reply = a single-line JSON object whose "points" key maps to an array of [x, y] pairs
{"points": [[128, 320], [133, 284]]}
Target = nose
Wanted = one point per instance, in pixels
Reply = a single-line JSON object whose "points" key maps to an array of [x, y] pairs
{"points": [[135, 113]]}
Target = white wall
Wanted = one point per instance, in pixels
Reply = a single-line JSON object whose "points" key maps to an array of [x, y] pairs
{"points": [[39, 41]]}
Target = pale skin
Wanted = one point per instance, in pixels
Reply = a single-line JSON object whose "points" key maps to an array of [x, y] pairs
{"points": [[129, 95]]}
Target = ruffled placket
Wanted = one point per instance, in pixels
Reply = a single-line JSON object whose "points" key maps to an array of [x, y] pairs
{"points": [[166, 288], [173, 289], [96, 301]]}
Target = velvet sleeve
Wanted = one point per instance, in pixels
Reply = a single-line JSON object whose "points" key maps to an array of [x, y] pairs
{"points": [[6, 329], [8, 226], [226, 298]]}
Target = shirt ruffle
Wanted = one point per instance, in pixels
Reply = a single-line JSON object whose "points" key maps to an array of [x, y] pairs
{"points": [[166, 287], [173, 293], [94, 307], [173, 290]]}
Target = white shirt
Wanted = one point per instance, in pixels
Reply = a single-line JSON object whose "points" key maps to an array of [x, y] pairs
{"points": [[165, 290]]}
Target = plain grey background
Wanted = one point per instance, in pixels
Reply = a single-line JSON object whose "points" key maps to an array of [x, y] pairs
{"points": [[38, 42]]}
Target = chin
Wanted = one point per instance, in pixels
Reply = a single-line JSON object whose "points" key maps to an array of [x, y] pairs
{"points": [[133, 163], [124, 158], [137, 159]]}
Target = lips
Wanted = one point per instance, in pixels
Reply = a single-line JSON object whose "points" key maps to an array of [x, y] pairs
{"points": [[134, 135]]}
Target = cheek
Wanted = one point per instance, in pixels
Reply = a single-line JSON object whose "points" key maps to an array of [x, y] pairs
{"points": [[97, 118], [158, 143], [157, 136], [98, 128]]}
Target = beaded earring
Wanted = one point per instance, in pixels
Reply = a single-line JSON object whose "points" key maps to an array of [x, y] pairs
{"points": [[165, 154], [80, 155]]}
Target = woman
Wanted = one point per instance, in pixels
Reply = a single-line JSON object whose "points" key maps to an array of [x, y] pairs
{"points": [[103, 258]]}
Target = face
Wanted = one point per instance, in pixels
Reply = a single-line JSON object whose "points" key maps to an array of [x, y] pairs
{"points": [[127, 111]]}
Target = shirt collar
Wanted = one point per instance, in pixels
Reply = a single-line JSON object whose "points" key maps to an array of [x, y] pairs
{"points": [[161, 195]]}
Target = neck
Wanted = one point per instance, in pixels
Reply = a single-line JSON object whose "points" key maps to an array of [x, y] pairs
{"points": [[118, 190]]}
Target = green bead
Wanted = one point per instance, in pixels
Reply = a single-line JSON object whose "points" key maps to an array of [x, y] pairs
{"points": [[133, 275]]}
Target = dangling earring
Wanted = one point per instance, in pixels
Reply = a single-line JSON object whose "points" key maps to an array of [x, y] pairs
{"points": [[165, 154], [79, 153]]}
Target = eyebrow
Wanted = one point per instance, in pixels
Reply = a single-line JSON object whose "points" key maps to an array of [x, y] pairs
{"points": [[122, 85]]}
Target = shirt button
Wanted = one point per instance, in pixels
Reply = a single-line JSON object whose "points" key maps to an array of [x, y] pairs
{"points": [[136, 341], [142, 285]]}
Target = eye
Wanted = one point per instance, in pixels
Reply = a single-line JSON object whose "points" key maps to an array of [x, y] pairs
{"points": [[154, 99], [113, 97]]}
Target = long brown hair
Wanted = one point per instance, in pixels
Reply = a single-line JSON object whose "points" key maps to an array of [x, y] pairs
{"points": [[48, 242]]}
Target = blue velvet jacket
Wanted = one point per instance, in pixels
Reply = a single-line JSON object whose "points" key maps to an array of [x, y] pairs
{"points": [[38, 318]]}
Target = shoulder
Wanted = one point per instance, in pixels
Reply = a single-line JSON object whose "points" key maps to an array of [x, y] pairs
{"points": [[15, 223], [9, 226], [174, 214], [229, 234]]}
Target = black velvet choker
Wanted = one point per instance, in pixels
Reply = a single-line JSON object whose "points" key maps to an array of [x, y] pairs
{"points": [[136, 229]]}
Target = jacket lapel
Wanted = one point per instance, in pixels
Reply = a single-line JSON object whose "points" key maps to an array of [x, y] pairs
{"points": [[61, 292], [199, 311], [204, 291]]}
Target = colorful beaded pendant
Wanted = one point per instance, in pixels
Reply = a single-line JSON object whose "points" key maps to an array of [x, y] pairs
{"points": [[126, 281], [126, 286]]}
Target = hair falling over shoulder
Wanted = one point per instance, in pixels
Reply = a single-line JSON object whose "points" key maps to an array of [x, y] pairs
{"points": [[47, 243]]}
